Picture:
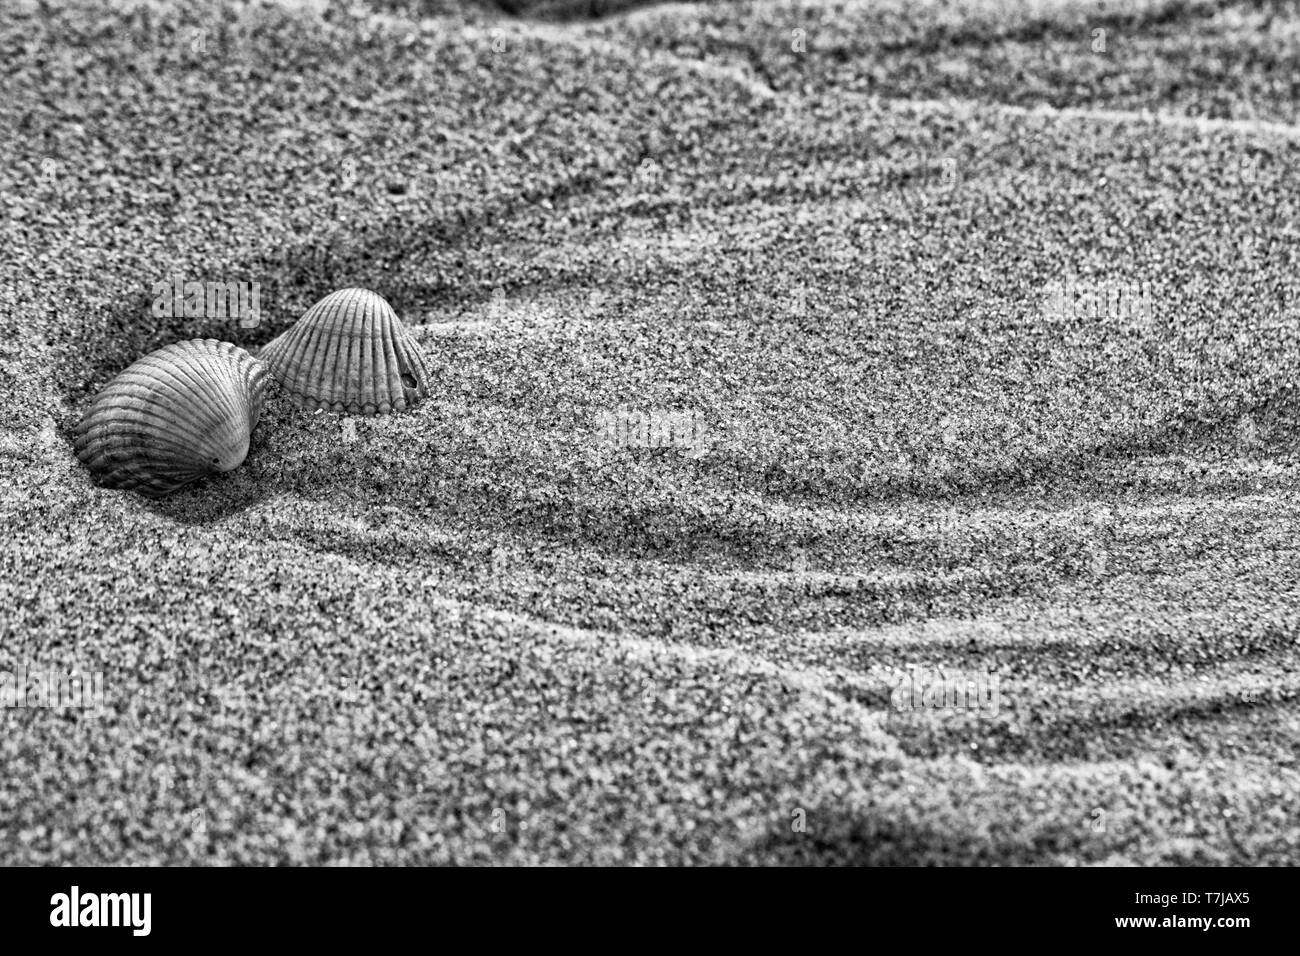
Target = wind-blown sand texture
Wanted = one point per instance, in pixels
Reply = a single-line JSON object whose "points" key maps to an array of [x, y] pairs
{"points": [[472, 633]]}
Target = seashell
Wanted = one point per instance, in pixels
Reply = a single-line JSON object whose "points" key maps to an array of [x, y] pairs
{"points": [[349, 353], [182, 412]]}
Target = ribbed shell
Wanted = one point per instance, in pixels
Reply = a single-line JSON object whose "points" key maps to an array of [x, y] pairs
{"points": [[182, 412], [349, 353]]}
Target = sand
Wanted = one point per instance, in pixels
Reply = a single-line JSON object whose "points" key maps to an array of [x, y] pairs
{"points": [[482, 632]]}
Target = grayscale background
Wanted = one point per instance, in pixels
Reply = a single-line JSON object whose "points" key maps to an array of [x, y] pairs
{"points": [[859, 432]]}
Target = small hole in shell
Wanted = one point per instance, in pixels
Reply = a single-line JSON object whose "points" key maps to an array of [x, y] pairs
{"points": [[408, 380]]}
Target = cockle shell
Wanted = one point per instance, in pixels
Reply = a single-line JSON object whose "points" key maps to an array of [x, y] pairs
{"points": [[182, 412], [349, 353]]}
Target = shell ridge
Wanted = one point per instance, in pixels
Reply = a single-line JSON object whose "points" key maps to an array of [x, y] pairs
{"points": [[225, 364], [136, 395], [314, 347], [368, 371], [185, 379], [152, 426], [348, 312], [205, 402], [392, 364], [169, 416], [349, 352]]}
